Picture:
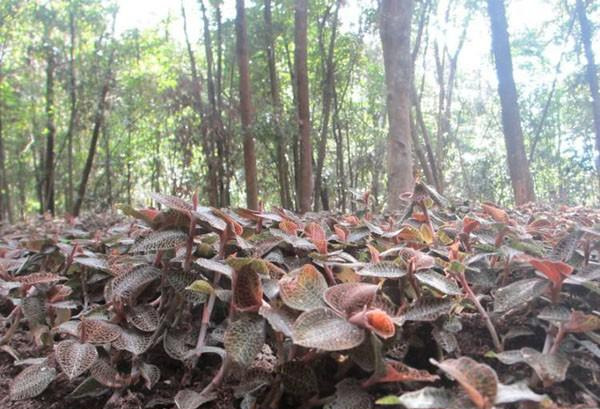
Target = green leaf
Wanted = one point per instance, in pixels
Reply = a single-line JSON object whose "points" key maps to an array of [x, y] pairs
{"points": [[244, 339], [200, 286]]}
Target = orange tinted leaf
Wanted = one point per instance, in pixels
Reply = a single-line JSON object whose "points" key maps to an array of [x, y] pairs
{"points": [[341, 232], [396, 371], [351, 219], [420, 217], [497, 214], [375, 258], [375, 320], [247, 289], [317, 236], [288, 226], [555, 271], [470, 225]]}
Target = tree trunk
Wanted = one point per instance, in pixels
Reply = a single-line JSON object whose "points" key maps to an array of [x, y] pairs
{"points": [[300, 61], [5, 207], [73, 109], [48, 188], [586, 38], [107, 170], [246, 106], [98, 122], [395, 29], [328, 85], [518, 165], [282, 163], [211, 185], [295, 136], [215, 134]]}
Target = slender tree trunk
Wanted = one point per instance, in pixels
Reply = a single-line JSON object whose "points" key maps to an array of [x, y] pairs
{"points": [[295, 136], [592, 78], [224, 131], [98, 122], [328, 85], [129, 160], [5, 206], [395, 29], [216, 132], [282, 163], [339, 153], [211, 185], [48, 190], [518, 165], [73, 108], [419, 152], [107, 170], [300, 61], [246, 106]]}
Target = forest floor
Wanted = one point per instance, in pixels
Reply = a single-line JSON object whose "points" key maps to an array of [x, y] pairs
{"points": [[324, 310]]}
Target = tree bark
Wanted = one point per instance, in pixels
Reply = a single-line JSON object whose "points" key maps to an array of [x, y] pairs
{"points": [[107, 167], [246, 106], [73, 108], [395, 29], [48, 188], [518, 165], [215, 134], [300, 61], [5, 206], [98, 122], [211, 185], [282, 162], [328, 85], [592, 78]]}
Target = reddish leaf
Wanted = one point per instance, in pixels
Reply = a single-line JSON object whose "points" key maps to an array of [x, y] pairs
{"points": [[317, 236], [375, 257], [555, 271], [479, 381], [303, 289], [247, 287], [348, 298], [375, 320], [497, 214], [396, 371], [341, 232], [419, 260], [580, 322], [470, 225], [288, 226]]}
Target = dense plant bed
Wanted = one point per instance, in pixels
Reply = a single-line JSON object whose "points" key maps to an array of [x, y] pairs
{"points": [[443, 306]]}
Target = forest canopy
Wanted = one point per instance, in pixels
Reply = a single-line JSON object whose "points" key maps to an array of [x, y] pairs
{"points": [[296, 103]]}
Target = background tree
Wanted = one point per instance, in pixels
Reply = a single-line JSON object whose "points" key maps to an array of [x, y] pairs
{"points": [[518, 165], [395, 29], [591, 73], [246, 107], [300, 57]]}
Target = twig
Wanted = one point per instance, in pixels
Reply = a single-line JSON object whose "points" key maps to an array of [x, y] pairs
{"points": [[488, 322]]}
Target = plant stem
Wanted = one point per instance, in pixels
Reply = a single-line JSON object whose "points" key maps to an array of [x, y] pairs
{"points": [[482, 311], [206, 313]]}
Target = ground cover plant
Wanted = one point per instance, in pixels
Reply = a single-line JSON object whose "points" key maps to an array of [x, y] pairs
{"points": [[443, 305]]}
